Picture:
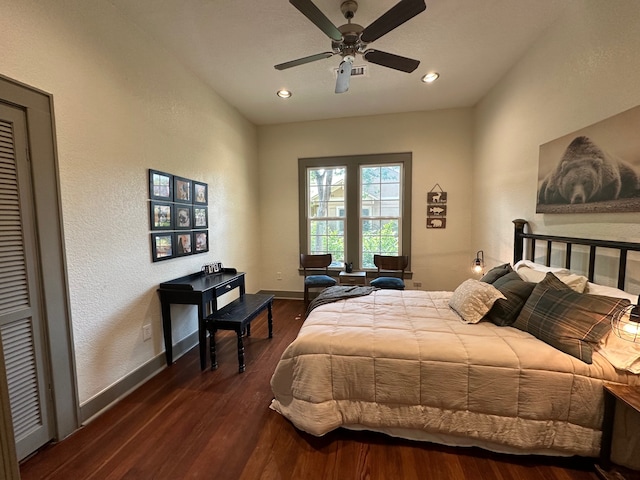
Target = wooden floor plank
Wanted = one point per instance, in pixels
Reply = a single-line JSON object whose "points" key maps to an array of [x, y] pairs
{"points": [[187, 423]]}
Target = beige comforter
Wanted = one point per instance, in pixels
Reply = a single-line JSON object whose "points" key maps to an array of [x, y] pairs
{"points": [[402, 362]]}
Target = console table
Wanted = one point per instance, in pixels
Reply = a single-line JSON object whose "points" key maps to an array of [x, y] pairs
{"points": [[196, 289]]}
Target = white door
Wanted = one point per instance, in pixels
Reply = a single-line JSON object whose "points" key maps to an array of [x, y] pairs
{"points": [[21, 324]]}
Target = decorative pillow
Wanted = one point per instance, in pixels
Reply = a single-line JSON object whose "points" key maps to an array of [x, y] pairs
{"points": [[517, 291], [569, 321], [496, 272], [473, 299], [577, 283], [622, 354], [538, 267], [388, 282]]}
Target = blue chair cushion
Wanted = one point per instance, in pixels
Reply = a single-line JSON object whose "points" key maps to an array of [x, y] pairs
{"points": [[388, 282], [319, 281]]}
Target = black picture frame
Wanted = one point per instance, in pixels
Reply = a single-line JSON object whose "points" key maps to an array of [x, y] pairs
{"points": [[200, 193], [182, 190], [160, 185], [200, 217], [161, 215], [162, 246], [183, 217], [200, 241], [184, 243]]}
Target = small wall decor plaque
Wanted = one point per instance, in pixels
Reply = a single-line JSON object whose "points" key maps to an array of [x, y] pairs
{"points": [[436, 207]]}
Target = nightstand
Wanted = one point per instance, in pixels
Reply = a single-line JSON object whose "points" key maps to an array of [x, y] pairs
{"points": [[353, 278], [614, 393]]}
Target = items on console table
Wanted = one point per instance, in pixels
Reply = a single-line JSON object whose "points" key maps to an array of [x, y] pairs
{"points": [[198, 289]]}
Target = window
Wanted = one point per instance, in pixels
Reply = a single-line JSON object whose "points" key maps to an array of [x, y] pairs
{"points": [[380, 207], [355, 207]]}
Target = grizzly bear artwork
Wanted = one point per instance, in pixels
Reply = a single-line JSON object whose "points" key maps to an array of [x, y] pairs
{"points": [[586, 173]]}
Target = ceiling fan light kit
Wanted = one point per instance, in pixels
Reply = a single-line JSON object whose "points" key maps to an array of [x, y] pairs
{"points": [[352, 39]]}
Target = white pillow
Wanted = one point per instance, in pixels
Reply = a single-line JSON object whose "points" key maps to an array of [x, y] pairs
{"points": [[538, 267], [595, 289], [473, 299], [622, 354], [576, 282]]}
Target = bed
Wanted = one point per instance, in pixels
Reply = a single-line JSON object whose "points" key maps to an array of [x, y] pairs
{"points": [[433, 366]]}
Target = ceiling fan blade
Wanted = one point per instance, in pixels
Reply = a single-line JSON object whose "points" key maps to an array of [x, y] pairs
{"points": [[303, 60], [313, 13], [394, 17], [391, 61], [344, 75]]}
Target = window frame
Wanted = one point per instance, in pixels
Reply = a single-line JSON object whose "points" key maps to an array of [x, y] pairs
{"points": [[352, 189]]}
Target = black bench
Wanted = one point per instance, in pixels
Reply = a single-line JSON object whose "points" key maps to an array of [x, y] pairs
{"points": [[237, 316]]}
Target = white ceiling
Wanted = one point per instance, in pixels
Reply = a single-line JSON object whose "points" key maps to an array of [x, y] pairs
{"points": [[234, 44]]}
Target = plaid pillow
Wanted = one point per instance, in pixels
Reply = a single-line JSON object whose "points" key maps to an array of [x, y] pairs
{"points": [[569, 321], [505, 311]]}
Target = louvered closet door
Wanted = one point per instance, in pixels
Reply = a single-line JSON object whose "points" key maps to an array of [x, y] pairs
{"points": [[20, 317]]}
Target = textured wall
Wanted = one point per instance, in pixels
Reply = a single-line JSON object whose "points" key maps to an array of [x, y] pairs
{"points": [[584, 69], [123, 105]]}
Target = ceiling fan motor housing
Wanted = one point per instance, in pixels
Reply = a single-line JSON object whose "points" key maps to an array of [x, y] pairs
{"points": [[349, 9]]}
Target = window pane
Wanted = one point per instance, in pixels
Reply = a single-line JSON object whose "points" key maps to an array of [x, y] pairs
{"points": [[380, 211], [326, 212], [325, 192]]}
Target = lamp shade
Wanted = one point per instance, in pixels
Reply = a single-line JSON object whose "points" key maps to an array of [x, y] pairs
{"points": [[626, 323]]}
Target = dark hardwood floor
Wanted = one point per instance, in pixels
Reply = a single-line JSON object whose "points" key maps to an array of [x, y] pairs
{"points": [[184, 423]]}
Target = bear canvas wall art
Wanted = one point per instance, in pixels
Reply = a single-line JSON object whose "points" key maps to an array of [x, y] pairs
{"points": [[596, 169]]}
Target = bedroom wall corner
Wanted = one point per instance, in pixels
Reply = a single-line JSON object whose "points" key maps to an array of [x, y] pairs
{"points": [[583, 69]]}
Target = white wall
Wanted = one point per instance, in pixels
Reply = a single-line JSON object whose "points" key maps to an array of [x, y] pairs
{"points": [[583, 70], [441, 145], [122, 106]]}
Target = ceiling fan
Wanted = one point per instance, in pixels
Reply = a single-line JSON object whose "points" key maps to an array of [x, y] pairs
{"points": [[351, 39]]}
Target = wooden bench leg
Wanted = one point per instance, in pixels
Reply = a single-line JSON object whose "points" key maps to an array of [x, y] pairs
{"points": [[212, 349], [241, 365], [270, 320]]}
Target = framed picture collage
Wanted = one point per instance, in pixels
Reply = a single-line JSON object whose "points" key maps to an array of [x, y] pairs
{"points": [[178, 216]]}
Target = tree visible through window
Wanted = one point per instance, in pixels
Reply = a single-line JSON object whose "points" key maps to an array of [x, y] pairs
{"points": [[355, 207], [326, 212]]}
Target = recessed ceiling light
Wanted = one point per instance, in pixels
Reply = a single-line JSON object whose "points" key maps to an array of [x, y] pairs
{"points": [[430, 77], [284, 93]]}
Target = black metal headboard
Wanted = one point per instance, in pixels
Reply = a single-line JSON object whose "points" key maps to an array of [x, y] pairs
{"points": [[622, 247]]}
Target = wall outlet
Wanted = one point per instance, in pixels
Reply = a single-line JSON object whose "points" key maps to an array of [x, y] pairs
{"points": [[417, 284], [146, 332], [278, 275]]}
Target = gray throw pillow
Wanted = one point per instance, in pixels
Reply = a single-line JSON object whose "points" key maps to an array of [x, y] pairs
{"points": [[496, 272], [517, 291]]}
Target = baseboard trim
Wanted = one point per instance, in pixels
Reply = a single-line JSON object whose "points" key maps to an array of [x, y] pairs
{"points": [[287, 295], [122, 388], [105, 399]]}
